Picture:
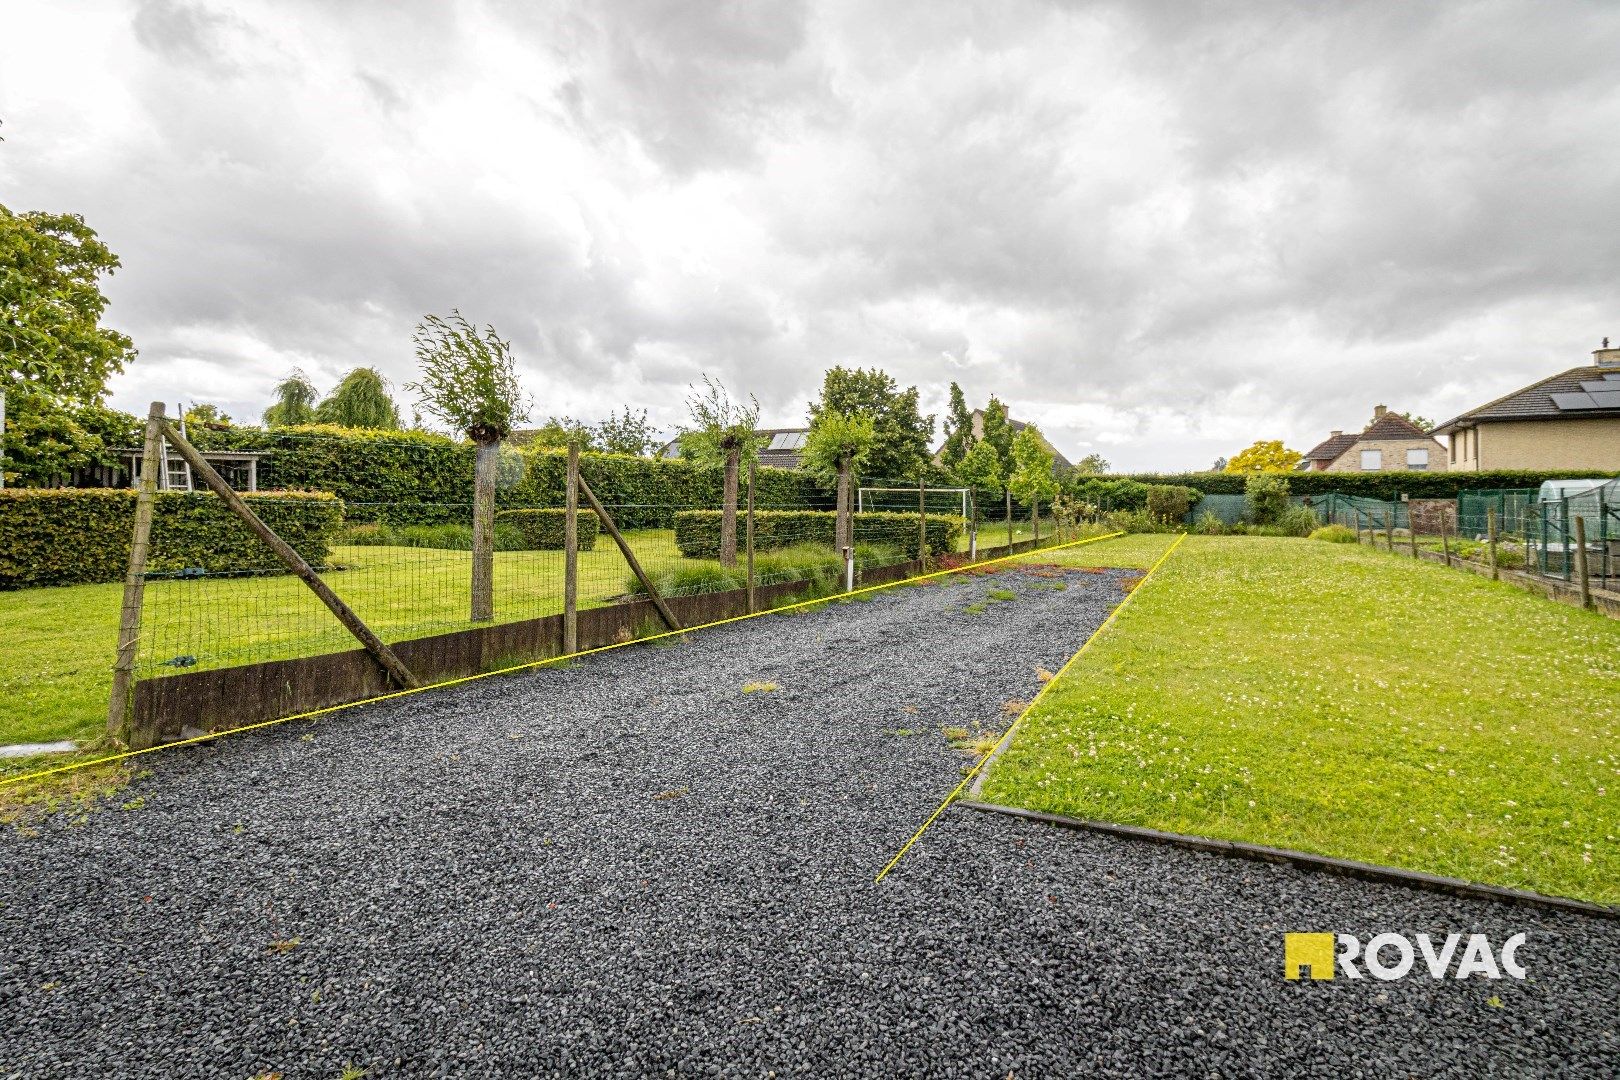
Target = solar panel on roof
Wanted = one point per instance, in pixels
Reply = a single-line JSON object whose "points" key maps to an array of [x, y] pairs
{"points": [[1573, 402], [1607, 399]]}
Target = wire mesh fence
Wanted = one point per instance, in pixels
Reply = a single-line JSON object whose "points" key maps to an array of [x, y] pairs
{"points": [[405, 568]]}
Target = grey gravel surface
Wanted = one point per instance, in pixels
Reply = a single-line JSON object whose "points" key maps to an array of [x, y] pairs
{"points": [[630, 867]]}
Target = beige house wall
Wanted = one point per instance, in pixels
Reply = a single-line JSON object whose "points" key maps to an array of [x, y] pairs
{"points": [[1592, 443], [1394, 455]]}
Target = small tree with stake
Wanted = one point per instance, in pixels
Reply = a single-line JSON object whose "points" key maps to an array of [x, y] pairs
{"points": [[836, 445], [723, 432], [1031, 479], [469, 380], [982, 469]]}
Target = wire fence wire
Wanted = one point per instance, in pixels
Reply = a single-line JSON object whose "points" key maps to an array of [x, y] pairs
{"points": [[406, 568]]}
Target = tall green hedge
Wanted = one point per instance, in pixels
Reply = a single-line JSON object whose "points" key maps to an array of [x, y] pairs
{"points": [[413, 477], [65, 536], [1373, 485], [697, 532]]}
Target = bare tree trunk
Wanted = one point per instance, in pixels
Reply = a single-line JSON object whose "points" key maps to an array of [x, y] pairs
{"points": [[844, 533], [728, 514], [485, 461]]}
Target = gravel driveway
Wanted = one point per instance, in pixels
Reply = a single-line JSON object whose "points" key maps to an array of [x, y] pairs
{"points": [[631, 867]]}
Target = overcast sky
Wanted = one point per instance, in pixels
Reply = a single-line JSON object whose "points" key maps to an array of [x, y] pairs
{"points": [[1159, 230]]}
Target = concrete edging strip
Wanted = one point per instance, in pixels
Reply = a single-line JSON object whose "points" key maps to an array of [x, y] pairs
{"points": [[1306, 861]]}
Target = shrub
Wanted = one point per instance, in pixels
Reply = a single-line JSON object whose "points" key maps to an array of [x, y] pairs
{"points": [[446, 537], [1297, 521], [1335, 534], [1265, 497], [1169, 503], [542, 530], [819, 566], [1210, 524], [1139, 521], [697, 532], [69, 536]]}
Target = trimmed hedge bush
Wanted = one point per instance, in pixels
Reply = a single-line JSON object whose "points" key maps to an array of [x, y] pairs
{"points": [[1389, 486], [543, 529], [418, 478], [697, 532], [67, 536]]}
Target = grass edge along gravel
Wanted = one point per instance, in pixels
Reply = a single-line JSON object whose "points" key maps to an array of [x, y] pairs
{"points": [[1329, 700], [102, 759]]}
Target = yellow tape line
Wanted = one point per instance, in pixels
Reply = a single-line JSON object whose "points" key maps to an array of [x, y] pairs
{"points": [[1033, 702], [538, 663]]}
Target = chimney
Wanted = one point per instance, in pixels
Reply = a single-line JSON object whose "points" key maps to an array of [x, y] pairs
{"points": [[1336, 434], [1379, 411], [1606, 357]]}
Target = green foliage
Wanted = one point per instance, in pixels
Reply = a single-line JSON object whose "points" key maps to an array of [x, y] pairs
{"points": [[1335, 534], [1294, 521], [834, 438], [361, 400], [900, 434], [982, 468], [295, 402], [1265, 498], [1092, 465], [1031, 478], [1267, 456], [821, 567], [1169, 503], [697, 532], [61, 536], [447, 537], [542, 530], [559, 432], [958, 430], [719, 426], [51, 304], [1140, 521], [998, 433], [1388, 485], [627, 434], [469, 378], [47, 437], [1210, 524]]}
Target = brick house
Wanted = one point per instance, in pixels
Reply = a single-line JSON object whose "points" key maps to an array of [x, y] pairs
{"points": [[1391, 443], [1566, 421]]}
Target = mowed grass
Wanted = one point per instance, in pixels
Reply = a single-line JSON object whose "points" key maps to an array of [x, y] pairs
{"points": [[1341, 701], [55, 671]]}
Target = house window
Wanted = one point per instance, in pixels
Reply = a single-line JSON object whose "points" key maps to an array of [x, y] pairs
{"points": [[1372, 460], [1417, 459], [1453, 439]]}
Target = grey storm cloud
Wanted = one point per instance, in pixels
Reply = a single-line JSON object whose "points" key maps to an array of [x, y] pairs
{"points": [[1161, 230]]}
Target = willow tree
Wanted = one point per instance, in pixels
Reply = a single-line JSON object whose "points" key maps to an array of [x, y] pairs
{"points": [[295, 401], [469, 381], [361, 400], [722, 432], [836, 445]]}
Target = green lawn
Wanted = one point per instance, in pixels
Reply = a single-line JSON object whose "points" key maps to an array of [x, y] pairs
{"points": [[1338, 700], [55, 669]]}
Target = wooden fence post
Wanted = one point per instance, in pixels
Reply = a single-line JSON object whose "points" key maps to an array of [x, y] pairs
{"points": [[629, 556], [1490, 541], [1580, 561], [1035, 520], [1411, 533], [1389, 529], [571, 554], [1009, 521], [922, 524], [129, 616], [291, 559], [749, 528], [1445, 540]]}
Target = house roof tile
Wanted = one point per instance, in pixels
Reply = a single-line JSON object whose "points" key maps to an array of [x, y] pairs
{"points": [[1535, 402]]}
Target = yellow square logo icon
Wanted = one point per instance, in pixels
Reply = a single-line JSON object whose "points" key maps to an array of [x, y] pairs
{"points": [[1307, 956]]}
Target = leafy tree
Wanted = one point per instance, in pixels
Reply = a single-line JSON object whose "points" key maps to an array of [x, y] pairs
{"points": [[1266, 455], [1265, 496], [982, 470], [998, 432], [295, 402], [1092, 465], [900, 434], [627, 434], [837, 445], [55, 356], [958, 430], [1031, 478], [361, 400], [1219, 465], [207, 414], [560, 432], [722, 432], [469, 381], [1421, 421]]}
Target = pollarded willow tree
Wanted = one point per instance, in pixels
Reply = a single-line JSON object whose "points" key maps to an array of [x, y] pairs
{"points": [[836, 445], [361, 400], [469, 381], [722, 432]]}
